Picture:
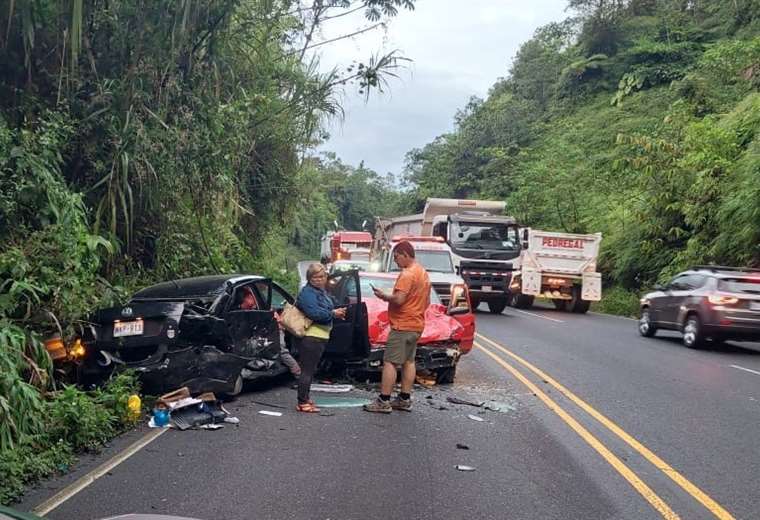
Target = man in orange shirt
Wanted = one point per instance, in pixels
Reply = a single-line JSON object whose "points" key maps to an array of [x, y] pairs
{"points": [[406, 313]]}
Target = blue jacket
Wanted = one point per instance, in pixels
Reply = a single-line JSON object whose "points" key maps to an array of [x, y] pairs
{"points": [[316, 304]]}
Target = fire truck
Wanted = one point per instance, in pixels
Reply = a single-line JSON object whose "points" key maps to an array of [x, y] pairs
{"points": [[346, 245]]}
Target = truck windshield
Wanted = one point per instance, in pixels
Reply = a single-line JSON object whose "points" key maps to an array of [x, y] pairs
{"points": [[433, 261], [494, 237]]}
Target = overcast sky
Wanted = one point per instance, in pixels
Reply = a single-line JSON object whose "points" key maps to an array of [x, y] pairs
{"points": [[459, 48]]}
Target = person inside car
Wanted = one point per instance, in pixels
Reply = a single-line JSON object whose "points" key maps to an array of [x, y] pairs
{"points": [[248, 302]]}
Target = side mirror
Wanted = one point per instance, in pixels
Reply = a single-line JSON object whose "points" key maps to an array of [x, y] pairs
{"points": [[458, 310]]}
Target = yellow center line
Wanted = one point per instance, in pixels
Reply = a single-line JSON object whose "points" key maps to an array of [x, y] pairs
{"points": [[702, 497], [633, 479]]}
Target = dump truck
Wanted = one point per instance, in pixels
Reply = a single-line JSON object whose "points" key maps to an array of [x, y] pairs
{"points": [[560, 267], [485, 244]]}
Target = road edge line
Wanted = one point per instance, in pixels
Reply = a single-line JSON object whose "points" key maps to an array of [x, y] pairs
{"points": [[685, 484], [81, 483], [627, 473]]}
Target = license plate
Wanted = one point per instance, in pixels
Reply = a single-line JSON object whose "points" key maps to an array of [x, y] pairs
{"points": [[755, 306], [487, 288], [128, 328]]}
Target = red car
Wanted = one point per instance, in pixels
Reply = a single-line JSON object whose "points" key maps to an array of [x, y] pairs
{"points": [[359, 341]]}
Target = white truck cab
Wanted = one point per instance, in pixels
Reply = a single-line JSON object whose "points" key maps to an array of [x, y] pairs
{"points": [[433, 254]]}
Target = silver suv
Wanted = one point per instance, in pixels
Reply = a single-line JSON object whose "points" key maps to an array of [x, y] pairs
{"points": [[713, 302]]}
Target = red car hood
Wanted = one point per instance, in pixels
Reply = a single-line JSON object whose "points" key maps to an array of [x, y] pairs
{"points": [[439, 326]]}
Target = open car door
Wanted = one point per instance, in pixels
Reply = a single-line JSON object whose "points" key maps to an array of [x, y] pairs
{"points": [[253, 332], [349, 338]]}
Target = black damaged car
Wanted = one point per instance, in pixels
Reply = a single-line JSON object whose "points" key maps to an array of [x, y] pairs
{"points": [[206, 333]]}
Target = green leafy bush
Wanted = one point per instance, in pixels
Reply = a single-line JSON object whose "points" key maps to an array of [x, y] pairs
{"points": [[618, 301]]}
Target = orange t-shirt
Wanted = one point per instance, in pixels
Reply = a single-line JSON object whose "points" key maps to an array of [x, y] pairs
{"points": [[410, 316]]}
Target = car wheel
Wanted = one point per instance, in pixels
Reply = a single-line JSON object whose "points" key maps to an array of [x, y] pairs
{"points": [[560, 305], [497, 307], [445, 376], [692, 332], [237, 387], [646, 327]]}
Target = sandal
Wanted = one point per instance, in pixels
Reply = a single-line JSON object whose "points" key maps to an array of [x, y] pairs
{"points": [[307, 408]]}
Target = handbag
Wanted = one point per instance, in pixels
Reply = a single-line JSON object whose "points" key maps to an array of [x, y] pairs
{"points": [[294, 321]]}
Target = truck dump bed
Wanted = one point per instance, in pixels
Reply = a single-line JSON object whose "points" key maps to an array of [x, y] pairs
{"points": [[564, 254]]}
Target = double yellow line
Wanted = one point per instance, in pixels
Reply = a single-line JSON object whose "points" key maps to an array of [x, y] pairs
{"points": [[637, 483]]}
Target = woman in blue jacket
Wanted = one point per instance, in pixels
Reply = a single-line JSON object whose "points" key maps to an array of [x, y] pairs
{"points": [[316, 305]]}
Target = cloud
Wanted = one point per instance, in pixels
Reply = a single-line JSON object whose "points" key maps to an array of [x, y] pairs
{"points": [[459, 49]]}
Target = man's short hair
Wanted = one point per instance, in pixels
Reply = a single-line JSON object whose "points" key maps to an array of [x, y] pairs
{"points": [[404, 247]]}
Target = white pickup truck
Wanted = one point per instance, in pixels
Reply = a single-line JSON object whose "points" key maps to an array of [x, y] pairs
{"points": [[560, 267]]}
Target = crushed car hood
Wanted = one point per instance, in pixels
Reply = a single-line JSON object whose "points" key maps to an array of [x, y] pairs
{"points": [[439, 326]]}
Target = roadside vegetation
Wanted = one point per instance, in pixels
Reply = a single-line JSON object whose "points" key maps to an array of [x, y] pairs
{"points": [[639, 119], [142, 141]]}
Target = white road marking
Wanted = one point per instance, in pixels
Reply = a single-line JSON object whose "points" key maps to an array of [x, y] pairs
{"points": [[80, 484], [612, 316], [746, 369], [536, 315]]}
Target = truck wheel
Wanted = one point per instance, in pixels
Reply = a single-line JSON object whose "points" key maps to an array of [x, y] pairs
{"points": [[445, 376], [560, 305], [522, 301], [497, 307], [475, 303], [578, 304]]}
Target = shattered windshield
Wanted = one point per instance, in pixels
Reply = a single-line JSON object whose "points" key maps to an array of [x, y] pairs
{"points": [[493, 237]]}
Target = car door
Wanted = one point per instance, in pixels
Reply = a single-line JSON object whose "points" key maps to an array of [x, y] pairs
{"points": [[253, 333], [677, 290], [349, 339]]}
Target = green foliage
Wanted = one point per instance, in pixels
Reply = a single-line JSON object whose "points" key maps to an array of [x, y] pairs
{"points": [[619, 301], [67, 421], [668, 171]]}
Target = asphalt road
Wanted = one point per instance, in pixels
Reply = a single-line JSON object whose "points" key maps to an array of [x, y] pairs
{"points": [[686, 444]]}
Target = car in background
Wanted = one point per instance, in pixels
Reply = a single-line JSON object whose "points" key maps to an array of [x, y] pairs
{"points": [[714, 302], [340, 266], [194, 332], [360, 341]]}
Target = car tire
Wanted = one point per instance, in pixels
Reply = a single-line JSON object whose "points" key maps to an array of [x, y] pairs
{"points": [[646, 327], [692, 332], [497, 307], [445, 376], [237, 387], [522, 301], [560, 305]]}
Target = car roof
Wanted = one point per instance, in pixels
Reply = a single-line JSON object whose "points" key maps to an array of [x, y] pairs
{"points": [[719, 271], [197, 287]]}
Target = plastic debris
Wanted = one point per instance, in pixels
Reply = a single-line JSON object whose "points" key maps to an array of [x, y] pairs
{"points": [[340, 402], [462, 447], [134, 407], [331, 388], [232, 420], [211, 426], [160, 418], [270, 412], [462, 467], [457, 400], [476, 418], [498, 406]]}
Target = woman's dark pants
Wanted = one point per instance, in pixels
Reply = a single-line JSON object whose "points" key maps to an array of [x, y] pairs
{"points": [[310, 351]]}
